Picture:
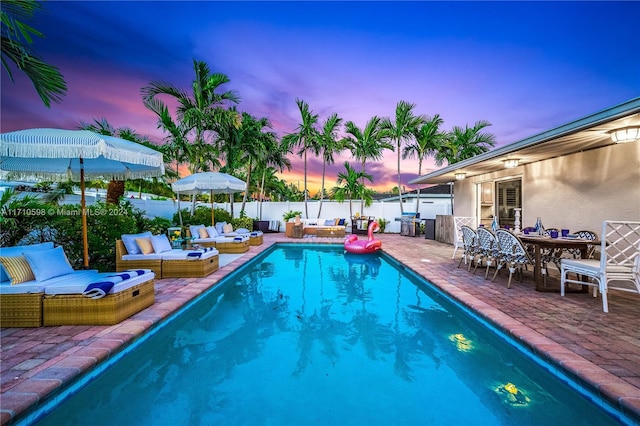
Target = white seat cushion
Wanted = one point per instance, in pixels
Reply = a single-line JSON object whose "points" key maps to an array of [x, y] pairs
{"points": [[78, 284], [38, 287], [184, 255]]}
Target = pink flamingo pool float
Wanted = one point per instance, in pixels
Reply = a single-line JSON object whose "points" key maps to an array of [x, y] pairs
{"points": [[353, 245]]}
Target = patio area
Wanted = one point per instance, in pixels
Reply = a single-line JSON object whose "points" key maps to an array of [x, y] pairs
{"points": [[600, 350]]}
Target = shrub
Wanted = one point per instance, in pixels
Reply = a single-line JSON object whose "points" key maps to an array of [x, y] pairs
{"points": [[23, 220], [202, 216], [157, 225], [243, 222], [382, 223]]}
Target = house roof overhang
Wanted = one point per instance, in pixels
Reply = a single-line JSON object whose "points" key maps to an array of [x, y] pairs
{"points": [[590, 132]]}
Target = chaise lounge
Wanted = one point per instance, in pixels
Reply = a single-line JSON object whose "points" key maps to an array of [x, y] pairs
{"points": [[208, 236], [135, 251]]}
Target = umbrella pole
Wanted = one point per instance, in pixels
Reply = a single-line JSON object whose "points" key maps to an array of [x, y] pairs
{"points": [[212, 208], [83, 205]]}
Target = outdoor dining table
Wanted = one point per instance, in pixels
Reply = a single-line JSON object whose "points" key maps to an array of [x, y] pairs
{"points": [[539, 242]]}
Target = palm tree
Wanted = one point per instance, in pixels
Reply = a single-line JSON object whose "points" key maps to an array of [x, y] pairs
{"points": [[352, 187], [400, 131], [329, 145], [274, 158], [199, 111], [461, 144], [427, 139], [304, 139], [254, 141], [176, 147], [16, 36], [367, 144]]}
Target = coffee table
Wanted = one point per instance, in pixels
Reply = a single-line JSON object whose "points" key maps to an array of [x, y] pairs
{"points": [[337, 232]]}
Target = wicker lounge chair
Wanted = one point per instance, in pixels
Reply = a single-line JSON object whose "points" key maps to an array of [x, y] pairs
{"points": [[64, 303], [239, 243], [170, 264]]}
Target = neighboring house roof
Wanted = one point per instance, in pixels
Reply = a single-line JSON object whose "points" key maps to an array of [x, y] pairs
{"points": [[590, 132], [438, 191]]}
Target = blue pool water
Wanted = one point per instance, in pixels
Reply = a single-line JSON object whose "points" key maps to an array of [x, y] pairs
{"points": [[307, 335]]}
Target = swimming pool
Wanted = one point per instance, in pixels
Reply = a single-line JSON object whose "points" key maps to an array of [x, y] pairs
{"points": [[308, 335]]}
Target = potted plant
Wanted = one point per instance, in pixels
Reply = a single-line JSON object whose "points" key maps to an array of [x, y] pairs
{"points": [[288, 232]]}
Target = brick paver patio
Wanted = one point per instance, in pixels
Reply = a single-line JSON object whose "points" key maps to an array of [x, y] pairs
{"points": [[601, 351]]}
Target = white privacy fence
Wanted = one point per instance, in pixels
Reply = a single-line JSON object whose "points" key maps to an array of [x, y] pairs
{"points": [[429, 208]]}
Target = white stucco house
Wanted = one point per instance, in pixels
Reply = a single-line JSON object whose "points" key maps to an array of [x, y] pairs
{"points": [[573, 176]]}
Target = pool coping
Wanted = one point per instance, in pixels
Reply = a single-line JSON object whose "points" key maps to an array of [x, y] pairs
{"points": [[98, 343]]}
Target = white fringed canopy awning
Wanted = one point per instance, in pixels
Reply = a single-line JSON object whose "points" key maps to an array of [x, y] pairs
{"points": [[220, 183], [59, 154], [55, 154], [212, 182]]}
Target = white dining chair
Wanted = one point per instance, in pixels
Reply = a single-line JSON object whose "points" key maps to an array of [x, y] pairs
{"points": [[618, 265], [458, 221]]}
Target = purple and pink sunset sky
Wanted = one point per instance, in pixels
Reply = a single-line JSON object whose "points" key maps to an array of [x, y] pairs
{"points": [[525, 67]]}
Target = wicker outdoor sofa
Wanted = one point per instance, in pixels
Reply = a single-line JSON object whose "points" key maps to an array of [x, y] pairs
{"points": [[38, 287]]}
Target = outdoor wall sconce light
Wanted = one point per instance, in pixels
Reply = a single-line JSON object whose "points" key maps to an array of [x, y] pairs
{"points": [[511, 163], [460, 176], [626, 134]]}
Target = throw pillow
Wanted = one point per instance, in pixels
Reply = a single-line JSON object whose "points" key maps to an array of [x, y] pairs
{"points": [[211, 231], [129, 241], [17, 251], [18, 269], [341, 222], [228, 228], [242, 231], [219, 227], [145, 245], [203, 233], [47, 264], [194, 230], [329, 222], [160, 243], [336, 220]]}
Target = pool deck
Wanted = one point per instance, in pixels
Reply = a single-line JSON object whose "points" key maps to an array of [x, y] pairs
{"points": [[601, 351]]}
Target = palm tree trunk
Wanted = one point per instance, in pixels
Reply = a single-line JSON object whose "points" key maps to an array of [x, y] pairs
{"points": [[246, 192], [418, 195], [324, 168], [115, 190], [261, 193], [399, 182], [306, 207], [362, 198]]}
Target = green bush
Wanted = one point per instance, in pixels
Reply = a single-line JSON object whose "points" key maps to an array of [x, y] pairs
{"points": [[157, 225], [202, 216], [382, 223], [105, 224], [27, 220], [243, 222], [24, 220]]}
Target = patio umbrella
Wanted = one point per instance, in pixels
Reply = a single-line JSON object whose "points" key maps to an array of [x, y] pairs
{"points": [[220, 183], [58, 154]]}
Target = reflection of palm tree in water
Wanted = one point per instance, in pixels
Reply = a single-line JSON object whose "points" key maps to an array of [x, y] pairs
{"points": [[319, 326]]}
